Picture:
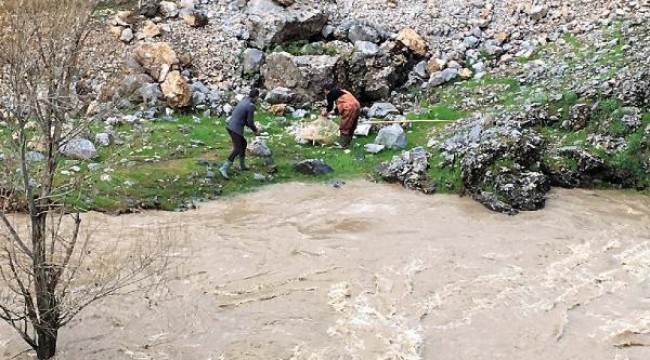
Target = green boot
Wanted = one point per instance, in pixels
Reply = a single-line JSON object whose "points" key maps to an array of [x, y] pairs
{"points": [[223, 170], [242, 164]]}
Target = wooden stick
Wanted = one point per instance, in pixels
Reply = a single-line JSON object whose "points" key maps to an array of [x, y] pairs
{"points": [[405, 121]]}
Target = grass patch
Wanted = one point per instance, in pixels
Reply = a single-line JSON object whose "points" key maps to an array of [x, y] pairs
{"points": [[158, 167], [438, 112], [562, 107], [557, 163], [527, 59], [512, 83], [572, 41], [117, 5], [304, 47], [506, 90], [448, 178], [645, 119], [484, 55]]}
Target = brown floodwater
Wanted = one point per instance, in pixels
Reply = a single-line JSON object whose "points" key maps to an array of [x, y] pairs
{"points": [[373, 271]]}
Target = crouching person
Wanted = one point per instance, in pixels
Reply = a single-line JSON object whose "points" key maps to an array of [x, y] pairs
{"points": [[345, 105]]}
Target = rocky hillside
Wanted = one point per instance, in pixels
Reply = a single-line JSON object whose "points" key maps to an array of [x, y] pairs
{"points": [[230, 45]]}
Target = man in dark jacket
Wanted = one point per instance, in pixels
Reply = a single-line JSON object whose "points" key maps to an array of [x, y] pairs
{"points": [[242, 116], [345, 105]]}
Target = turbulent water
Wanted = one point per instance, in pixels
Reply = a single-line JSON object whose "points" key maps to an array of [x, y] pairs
{"points": [[372, 271]]}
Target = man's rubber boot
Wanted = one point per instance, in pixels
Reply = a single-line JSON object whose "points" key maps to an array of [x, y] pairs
{"points": [[223, 170], [242, 164]]}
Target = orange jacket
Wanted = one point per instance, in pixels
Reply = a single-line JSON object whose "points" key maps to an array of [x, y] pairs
{"points": [[350, 110]]}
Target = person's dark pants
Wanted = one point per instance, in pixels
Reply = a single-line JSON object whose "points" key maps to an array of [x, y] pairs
{"points": [[349, 119], [345, 140], [239, 145]]}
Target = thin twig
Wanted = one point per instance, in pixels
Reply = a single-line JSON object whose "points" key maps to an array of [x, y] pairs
{"points": [[14, 235]]}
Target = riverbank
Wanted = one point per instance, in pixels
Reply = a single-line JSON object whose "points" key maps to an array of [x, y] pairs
{"points": [[172, 163]]}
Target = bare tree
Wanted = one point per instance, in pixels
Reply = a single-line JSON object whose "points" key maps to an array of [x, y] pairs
{"points": [[44, 280]]}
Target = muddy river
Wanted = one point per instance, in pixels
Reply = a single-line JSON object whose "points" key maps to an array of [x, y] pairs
{"points": [[370, 271]]}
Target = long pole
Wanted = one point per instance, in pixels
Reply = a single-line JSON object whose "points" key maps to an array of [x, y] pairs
{"points": [[406, 121]]}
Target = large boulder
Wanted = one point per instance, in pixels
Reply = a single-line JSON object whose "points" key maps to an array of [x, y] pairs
{"points": [[413, 41], [270, 23], [168, 9], [499, 160], [176, 90], [302, 75], [369, 71], [123, 18], [149, 30], [392, 137], [155, 54], [129, 88], [149, 8], [382, 109], [194, 18], [253, 60], [520, 190], [280, 95], [151, 94], [79, 149], [360, 32], [156, 59], [366, 48], [374, 76]]}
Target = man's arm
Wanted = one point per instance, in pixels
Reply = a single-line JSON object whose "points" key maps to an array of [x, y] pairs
{"points": [[330, 102], [250, 119]]}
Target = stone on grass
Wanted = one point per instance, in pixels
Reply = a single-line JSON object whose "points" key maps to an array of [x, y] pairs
{"points": [[79, 149], [392, 137], [312, 167]]}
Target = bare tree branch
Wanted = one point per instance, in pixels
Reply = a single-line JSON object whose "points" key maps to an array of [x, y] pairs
{"points": [[14, 235], [73, 242], [25, 292], [52, 272]]}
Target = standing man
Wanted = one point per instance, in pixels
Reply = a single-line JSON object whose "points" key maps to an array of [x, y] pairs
{"points": [[241, 116], [347, 106]]}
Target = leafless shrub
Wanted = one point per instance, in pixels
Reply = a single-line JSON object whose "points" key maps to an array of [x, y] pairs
{"points": [[49, 271]]}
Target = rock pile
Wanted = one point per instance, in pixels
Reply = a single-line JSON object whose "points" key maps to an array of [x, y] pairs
{"points": [[409, 169], [362, 44], [273, 23], [509, 166]]}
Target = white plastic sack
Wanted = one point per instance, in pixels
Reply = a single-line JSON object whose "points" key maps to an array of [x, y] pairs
{"points": [[258, 147]]}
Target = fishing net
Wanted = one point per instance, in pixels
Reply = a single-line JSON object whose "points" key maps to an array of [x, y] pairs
{"points": [[322, 131]]}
